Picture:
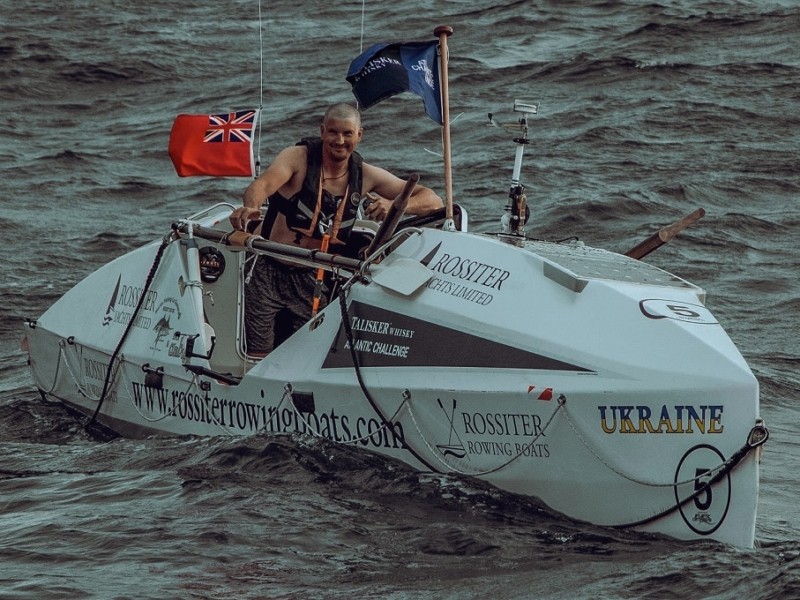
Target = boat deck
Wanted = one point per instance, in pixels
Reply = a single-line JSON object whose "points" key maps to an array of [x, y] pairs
{"points": [[577, 264]]}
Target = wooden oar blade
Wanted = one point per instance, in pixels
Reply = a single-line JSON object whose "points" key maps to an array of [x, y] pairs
{"points": [[663, 235]]}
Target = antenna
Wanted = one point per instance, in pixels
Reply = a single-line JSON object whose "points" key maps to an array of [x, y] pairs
{"points": [[514, 223]]}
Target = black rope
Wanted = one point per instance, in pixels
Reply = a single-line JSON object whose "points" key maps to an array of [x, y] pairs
{"points": [[758, 435], [353, 354], [165, 242]]}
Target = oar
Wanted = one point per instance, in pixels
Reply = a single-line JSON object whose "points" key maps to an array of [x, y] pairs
{"points": [[393, 216], [663, 235]]}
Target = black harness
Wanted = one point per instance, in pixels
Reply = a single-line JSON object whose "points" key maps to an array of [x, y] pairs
{"points": [[314, 212]]}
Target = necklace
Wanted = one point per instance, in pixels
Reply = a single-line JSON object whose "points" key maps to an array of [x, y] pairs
{"points": [[324, 178]]}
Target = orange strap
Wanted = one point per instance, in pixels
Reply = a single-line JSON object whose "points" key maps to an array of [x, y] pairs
{"points": [[320, 275], [337, 220]]}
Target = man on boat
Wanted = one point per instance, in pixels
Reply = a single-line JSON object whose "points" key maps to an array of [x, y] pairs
{"points": [[313, 191]]}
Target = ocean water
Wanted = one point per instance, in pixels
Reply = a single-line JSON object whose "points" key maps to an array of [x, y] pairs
{"points": [[648, 110]]}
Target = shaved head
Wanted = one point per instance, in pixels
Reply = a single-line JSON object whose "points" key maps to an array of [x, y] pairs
{"points": [[342, 111]]}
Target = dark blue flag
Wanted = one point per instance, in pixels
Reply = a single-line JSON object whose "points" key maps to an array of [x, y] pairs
{"points": [[386, 70]]}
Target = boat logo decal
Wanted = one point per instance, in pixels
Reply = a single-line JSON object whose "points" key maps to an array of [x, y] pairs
{"points": [[109, 316], [383, 338], [123, 302], [451, 449], [480, 434], [93, 375], [169, 309], [655, 308], [680, 418], [464, 278], [212, 264], [706, 512], [256, 416]]}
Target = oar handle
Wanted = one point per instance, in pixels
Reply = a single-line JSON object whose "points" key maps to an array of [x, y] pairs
{"points": [[393, 215]]}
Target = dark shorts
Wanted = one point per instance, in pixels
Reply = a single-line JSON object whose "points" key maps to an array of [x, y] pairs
{"points": [[277, 302]]}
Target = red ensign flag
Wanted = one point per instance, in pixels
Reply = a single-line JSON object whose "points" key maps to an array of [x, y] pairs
{"points": [[219, 145]]}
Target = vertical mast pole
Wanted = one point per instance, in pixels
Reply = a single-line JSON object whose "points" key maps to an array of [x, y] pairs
{"points": [[442, 32]]}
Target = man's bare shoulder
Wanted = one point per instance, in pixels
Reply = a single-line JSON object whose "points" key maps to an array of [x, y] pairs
{"points": [[289, 162], [293, 154], [376, 175]]}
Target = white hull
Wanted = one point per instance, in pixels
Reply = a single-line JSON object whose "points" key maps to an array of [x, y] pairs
{"points": [[595, 382]]}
